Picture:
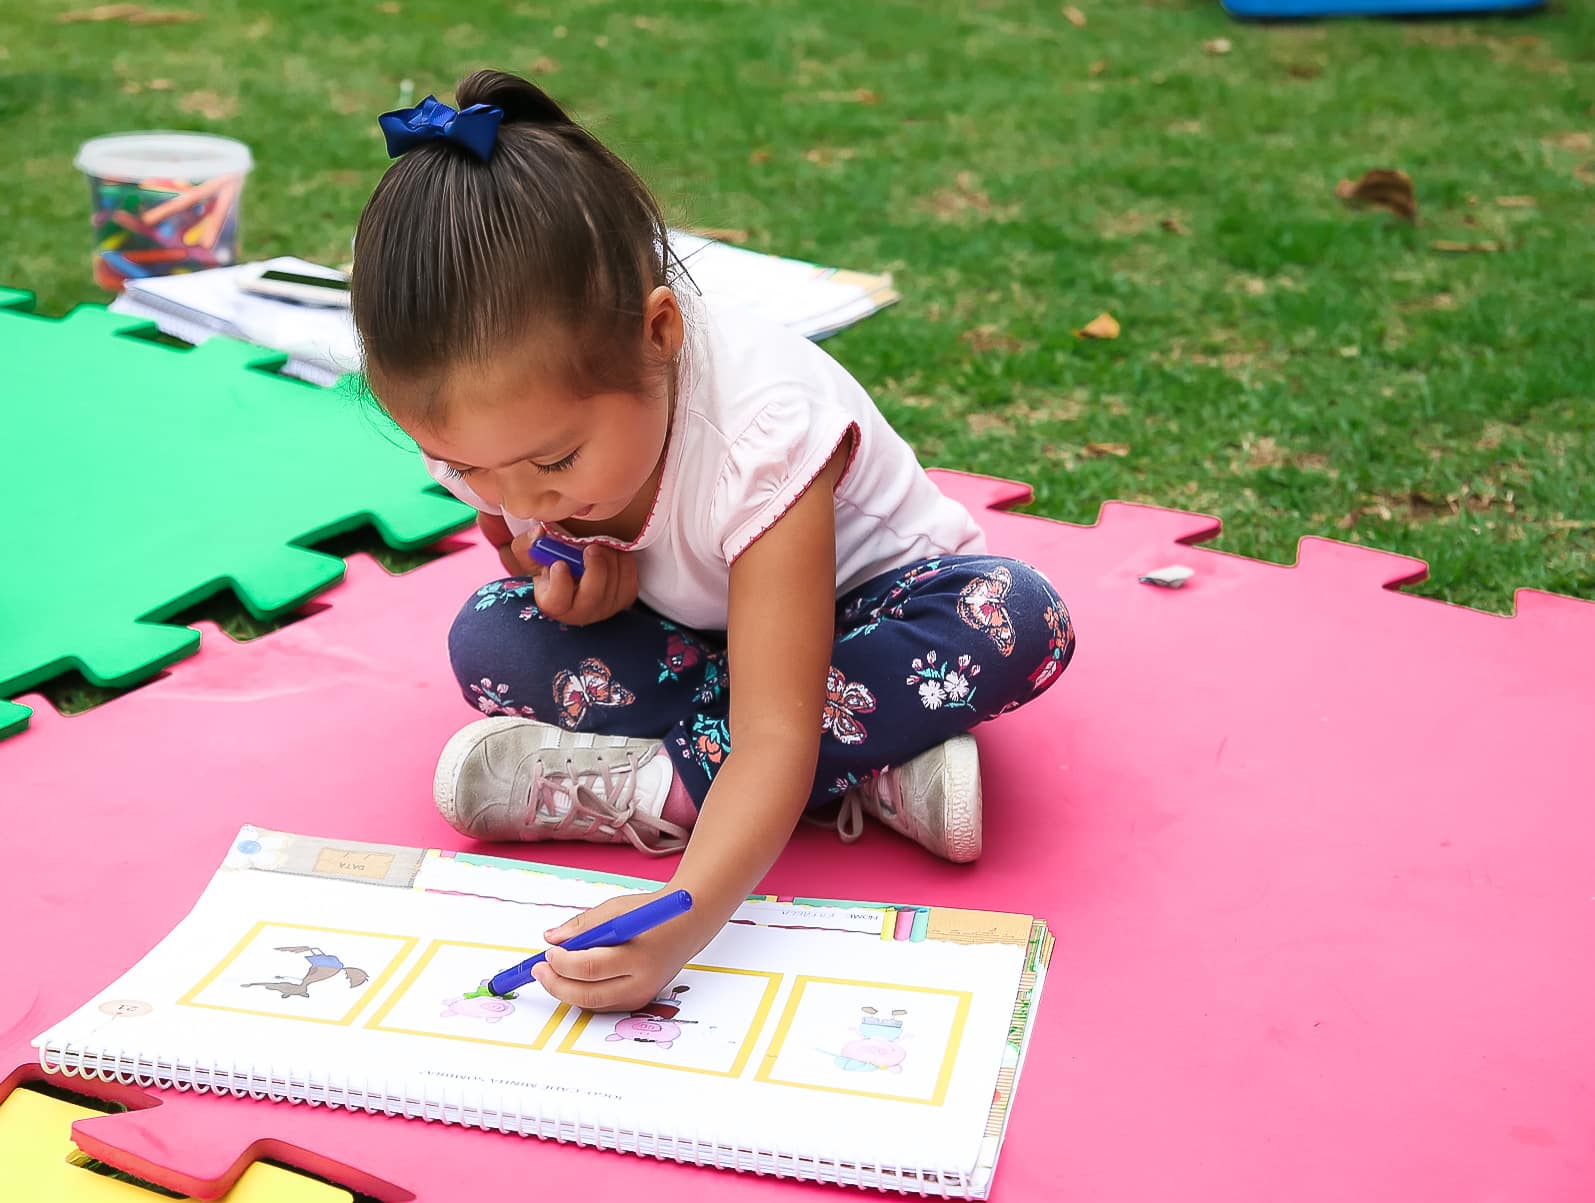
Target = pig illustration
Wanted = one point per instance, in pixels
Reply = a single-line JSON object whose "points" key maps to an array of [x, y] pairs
{"points": [[655, 1023], [478, 1005], [877, 1047]]}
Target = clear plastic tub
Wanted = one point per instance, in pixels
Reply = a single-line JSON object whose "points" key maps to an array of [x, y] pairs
{"points": [[163, 202]]}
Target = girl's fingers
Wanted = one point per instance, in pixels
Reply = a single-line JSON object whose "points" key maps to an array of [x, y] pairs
{"points": [[588, 965], [594, 589], [555, 592], [616, 994]]}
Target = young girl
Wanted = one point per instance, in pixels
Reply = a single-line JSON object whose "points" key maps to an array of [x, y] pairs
{"points": [[777, 612]]}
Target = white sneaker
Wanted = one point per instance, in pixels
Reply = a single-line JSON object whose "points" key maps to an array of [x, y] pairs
{"points": [[518, 779], [934, 800]]}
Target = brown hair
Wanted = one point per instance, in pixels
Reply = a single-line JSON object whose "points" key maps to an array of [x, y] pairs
{"points": [[552, 237]]}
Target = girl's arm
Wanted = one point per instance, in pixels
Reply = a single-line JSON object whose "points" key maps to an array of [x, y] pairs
{"points": [[781, 629], [782, 625]]}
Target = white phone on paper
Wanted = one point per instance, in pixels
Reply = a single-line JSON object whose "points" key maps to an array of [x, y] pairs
{"points": [[325, 291]]}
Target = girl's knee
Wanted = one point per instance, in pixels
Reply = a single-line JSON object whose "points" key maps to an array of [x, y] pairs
{"points": [[499, 621], [1028, 621]]}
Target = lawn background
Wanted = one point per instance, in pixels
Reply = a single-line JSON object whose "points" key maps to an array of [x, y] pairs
{"points": [[1286, 363]]}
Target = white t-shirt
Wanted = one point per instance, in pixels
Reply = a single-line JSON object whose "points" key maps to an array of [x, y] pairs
{"points": [[760, 412]]}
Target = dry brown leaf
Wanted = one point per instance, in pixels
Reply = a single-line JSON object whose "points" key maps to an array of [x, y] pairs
{"points": [[1515, 202], [1218, 46], [1074, 16], [1098, 450], [759, 156], [989, 338], [1264, 452], [1104, 325], [981, 422], [1467, 248], [159, 85], [1172, 225], [209, 104], [721, 234], [104, 12], [1304, 70], [1097, 68], [133, 14], [543, 65], [850, 96], [390, 8], [1439, 301], [1573, 140], [829, 156], [1382, 189], [965, 197]]}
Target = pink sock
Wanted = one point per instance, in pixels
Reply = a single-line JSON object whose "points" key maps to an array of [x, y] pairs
{"points": [[679, 809]]}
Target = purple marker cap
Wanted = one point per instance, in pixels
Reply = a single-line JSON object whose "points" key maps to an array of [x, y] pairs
{"points": [[549, 551]]}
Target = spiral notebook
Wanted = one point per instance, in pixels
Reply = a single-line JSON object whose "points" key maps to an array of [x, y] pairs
{"points": [[845, 1042]]}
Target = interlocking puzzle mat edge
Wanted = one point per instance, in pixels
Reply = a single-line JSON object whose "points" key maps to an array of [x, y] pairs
{"points": [[250, 545], [36, 1140], [1134, 824]]}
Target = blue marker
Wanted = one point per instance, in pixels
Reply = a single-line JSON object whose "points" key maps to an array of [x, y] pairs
{"points": [[618, 930], [549, 551]]}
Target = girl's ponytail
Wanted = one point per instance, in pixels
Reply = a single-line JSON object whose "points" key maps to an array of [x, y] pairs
{"points": [[523, 102], [549, 237]]}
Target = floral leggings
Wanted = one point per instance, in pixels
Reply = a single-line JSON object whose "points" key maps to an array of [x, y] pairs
{"points": [[922, 653]]}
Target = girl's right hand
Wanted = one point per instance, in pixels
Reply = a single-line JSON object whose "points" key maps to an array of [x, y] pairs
{"points": [[607, 586]]}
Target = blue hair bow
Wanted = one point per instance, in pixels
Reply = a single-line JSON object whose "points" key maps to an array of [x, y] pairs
{"points": [[476, 128]]}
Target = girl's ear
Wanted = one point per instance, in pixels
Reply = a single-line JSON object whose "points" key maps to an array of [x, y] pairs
{"points": [[663, 325]]}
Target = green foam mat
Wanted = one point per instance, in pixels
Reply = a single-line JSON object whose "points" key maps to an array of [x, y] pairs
{"points": [[139, 479]]}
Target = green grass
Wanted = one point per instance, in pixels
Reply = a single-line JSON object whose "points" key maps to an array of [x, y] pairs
{"points": [[1286, 363]]}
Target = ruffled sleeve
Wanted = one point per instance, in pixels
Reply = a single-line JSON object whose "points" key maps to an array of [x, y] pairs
{"points": [[772, 462]]}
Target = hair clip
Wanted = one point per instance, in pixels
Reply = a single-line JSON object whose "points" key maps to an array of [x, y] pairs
{"points": [[476, 128]]}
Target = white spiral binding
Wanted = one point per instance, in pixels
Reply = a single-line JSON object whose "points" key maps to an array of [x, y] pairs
{"points": [[500, 1114]]}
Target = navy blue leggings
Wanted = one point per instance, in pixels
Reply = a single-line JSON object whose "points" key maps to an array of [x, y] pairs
{"points": [[922, 653]]}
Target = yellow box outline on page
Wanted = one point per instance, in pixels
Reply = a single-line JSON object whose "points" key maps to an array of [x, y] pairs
{"points": [[772, 986], [943, 1078], [406, 947], [375, 1023]]}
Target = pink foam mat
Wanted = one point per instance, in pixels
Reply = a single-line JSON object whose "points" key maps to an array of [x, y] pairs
{"points": [[1320, 858]]}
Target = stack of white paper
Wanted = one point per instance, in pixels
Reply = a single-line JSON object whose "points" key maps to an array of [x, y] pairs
{"points": [[321, 344]]}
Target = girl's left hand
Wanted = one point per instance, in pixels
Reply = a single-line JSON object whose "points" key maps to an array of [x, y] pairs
{"points": [[628, 975]]}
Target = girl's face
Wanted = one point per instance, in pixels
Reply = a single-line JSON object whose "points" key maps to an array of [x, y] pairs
{"points": [[541, 453]]}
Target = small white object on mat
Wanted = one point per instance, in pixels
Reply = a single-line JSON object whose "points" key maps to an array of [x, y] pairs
{"points": [[1171, 576]]}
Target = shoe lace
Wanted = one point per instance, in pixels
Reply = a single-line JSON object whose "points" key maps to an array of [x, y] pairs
{"points": [[850, 816], [585, 810]]}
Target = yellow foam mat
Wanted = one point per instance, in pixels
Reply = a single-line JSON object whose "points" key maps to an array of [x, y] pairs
{"points": [[36, 1140]]}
